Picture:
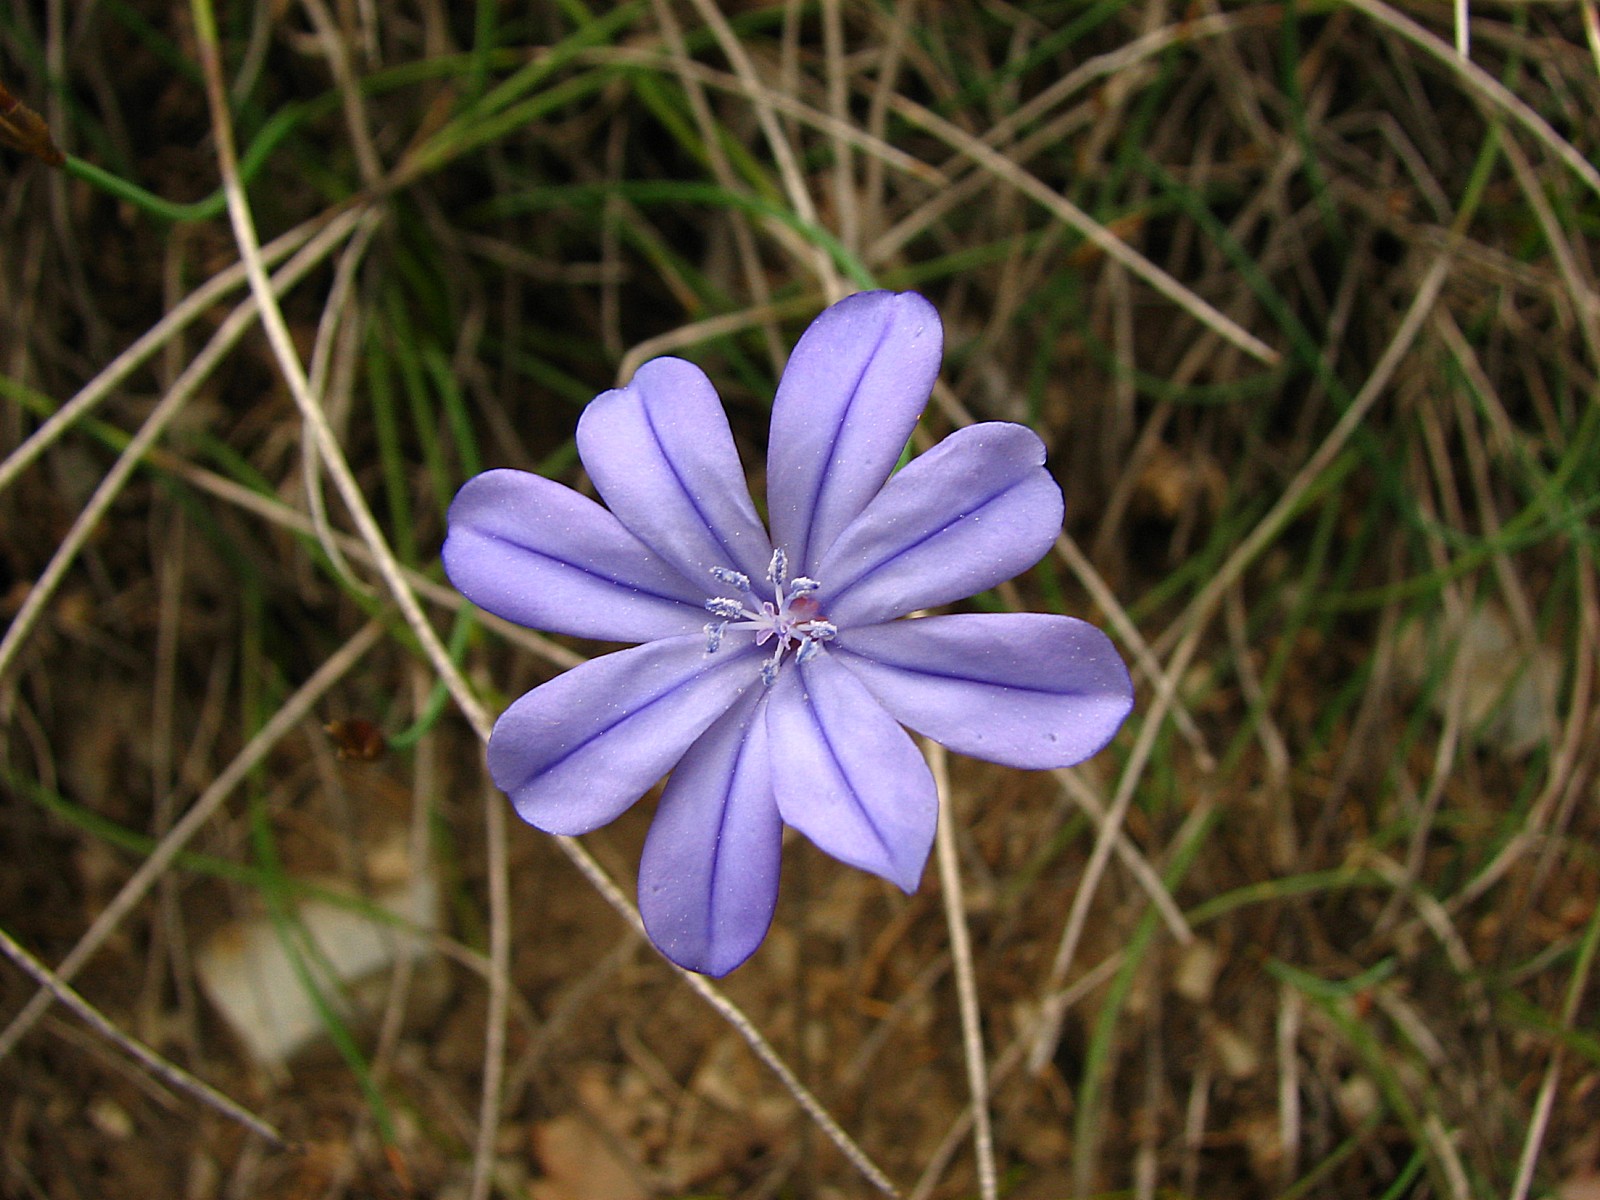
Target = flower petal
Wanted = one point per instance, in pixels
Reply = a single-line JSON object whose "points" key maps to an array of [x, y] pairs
{"points": [[1023, 689], [975, 510], [708, 881], [532, 551], [846, 775], [854, 387], [662, 457], [575, 752]]}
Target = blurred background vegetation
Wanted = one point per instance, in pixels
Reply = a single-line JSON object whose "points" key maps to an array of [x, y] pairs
{"points": [[1302, 297]]}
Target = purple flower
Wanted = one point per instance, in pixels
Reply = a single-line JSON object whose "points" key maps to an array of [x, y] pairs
{"points": [[786, 705]]}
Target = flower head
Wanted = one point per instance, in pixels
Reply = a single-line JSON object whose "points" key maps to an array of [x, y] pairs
{"points": [[775, 673]]}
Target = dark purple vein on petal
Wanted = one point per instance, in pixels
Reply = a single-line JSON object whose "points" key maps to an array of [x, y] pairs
{"points": [[841, 648], [596, 735], [836, 594], [827, 744], [728, 558], [624, 584], [802, 554]]}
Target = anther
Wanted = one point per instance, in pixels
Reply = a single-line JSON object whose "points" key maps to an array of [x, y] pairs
{"points": [[734, 579]]}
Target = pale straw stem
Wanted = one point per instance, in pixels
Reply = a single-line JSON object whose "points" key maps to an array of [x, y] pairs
{"points": [[494, 1040], [393, 575], [154, 425], [162, 332], [1070, 214], [285, 719], [735, 1017], [169, 1072], [1193, 623], [955, 916], [1486, 87], [794, 184], [288, 359]]}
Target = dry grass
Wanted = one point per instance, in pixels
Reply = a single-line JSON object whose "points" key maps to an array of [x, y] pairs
{"points": [[1303, 302]]}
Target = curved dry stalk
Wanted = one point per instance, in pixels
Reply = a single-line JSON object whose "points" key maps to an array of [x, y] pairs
{"points": [[755, 272], [294, 374], [794, 184], [294, 710], [1484, 86], [159, 335], [1193, 622], [1128, 853], [394, 575], [1093, 231], [169, 1072], [955, 916], [238, 322], [735, 1017], [1201, 608], [333, 332], [494, 1038]]}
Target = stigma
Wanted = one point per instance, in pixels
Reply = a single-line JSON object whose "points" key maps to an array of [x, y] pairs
{"points": [[791, 620]]}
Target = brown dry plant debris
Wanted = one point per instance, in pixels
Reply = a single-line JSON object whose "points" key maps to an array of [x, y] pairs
{"points": [[25, 131]]}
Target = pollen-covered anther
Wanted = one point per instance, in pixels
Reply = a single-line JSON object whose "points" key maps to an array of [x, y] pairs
{"points": [[734, 579], [778, 568]]}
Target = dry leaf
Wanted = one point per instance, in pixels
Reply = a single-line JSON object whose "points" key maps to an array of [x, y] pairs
{"points": [[23, 129], [580, 1163]]}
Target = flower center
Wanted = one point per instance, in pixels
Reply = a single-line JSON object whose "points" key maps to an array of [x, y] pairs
{"points": [[791, 619]]}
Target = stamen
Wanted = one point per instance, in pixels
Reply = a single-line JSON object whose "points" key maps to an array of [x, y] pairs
{"points": [[791, 620], [734, 579]]}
